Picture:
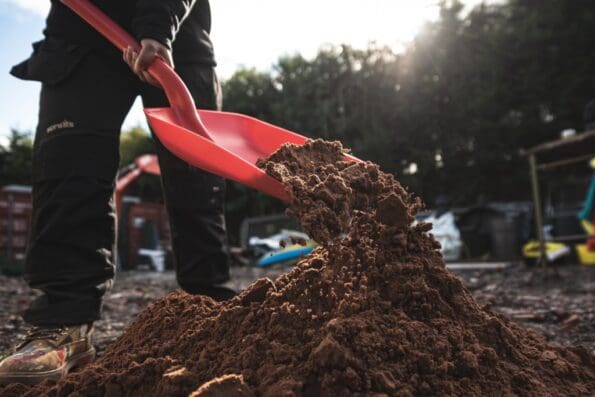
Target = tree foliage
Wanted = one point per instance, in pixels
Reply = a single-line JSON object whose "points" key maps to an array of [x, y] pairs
{"points": [[134, 143], [450, 113], [16, 158]]}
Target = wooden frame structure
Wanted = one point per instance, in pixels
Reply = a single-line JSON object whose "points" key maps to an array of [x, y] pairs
{"points": [[562, 152]]}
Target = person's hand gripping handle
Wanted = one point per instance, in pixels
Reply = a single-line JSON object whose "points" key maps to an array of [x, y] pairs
{"points": [[139, 62]]}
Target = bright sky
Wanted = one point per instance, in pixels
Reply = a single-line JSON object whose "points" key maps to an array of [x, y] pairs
{"points": [[245, 34]]}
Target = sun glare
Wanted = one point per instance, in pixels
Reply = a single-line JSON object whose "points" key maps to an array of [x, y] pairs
{"points": [[257, 32], [396, 22]]}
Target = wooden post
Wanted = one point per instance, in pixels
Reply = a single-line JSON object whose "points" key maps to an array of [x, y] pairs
{"points": [[537, 209]]}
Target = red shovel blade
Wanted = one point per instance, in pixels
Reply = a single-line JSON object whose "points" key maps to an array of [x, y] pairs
{"points": [[238, 141]]}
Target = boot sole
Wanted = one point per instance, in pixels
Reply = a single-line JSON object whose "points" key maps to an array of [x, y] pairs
{"points": [[28, 378]]}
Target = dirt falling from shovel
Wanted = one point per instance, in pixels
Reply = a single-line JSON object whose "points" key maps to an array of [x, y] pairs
{"points": [[372, 311]]}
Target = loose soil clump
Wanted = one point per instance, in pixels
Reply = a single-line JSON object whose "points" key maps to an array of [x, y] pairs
{"points": [[372, 311]]}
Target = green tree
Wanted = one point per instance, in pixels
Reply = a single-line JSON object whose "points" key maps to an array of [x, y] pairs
{"points": [[250, 92], [133, 143], [16, 159]]}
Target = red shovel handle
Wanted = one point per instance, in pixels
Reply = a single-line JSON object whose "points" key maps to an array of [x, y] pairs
{"points": [[179, 97]]}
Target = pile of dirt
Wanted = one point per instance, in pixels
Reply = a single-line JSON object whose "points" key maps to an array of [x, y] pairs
{"points": [[372, 311]]}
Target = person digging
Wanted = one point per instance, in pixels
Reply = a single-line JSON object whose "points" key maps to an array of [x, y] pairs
{"points": [[86, 92]]}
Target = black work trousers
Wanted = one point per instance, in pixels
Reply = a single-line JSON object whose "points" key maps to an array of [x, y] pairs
{"points": [[85, 97]]}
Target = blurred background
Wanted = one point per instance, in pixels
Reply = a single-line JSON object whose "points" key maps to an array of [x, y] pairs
{"points": [[481, 108]]}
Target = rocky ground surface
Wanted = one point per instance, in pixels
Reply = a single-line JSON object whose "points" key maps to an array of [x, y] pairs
{"points": [[558, 303]]}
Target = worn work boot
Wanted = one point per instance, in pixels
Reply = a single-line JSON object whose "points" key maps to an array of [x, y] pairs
{"points": [[48, 353]]}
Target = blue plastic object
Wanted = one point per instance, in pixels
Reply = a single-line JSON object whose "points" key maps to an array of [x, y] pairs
{"points": [[284, 255]]}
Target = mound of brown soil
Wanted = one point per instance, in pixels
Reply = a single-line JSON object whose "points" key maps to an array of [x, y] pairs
{"points": [[372, 311]]}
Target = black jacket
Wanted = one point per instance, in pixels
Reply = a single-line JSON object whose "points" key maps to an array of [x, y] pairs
{"points": [[183, 25]]}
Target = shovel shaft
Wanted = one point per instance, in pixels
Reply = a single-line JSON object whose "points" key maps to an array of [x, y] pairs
{"points": [[179, 97]]}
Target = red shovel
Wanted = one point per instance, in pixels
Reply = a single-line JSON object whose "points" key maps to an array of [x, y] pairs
{"points": [[225, 144]]}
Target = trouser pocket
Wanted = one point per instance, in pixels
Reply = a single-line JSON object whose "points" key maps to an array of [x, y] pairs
{"points": [[52, 61]]}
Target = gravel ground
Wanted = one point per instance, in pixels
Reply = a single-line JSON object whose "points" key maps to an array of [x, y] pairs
{"points": [[558, 303]]}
